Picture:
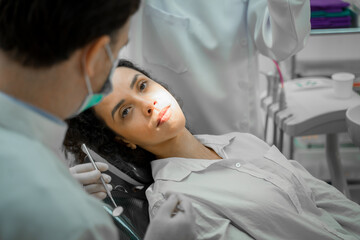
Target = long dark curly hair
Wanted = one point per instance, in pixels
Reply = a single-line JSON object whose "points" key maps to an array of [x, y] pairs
{"points": [[90, 129]]}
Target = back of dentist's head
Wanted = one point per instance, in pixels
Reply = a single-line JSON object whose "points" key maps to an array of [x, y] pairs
{"points": [[41, 33]]}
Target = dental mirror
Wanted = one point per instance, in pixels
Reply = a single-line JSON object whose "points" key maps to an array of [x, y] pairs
{"points": [[117, 209]]}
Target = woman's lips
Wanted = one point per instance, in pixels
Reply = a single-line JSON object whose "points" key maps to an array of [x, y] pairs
{"points": [[164, 115]]}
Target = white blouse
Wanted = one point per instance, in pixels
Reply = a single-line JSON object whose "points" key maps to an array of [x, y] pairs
{"points": [[254, 192]]}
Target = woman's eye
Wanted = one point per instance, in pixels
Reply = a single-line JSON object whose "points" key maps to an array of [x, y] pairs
{"points": [[125, 112], [142, 86]]}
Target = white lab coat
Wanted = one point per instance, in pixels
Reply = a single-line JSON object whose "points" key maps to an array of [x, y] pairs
{"points": [[39, 199], [206, 51]]}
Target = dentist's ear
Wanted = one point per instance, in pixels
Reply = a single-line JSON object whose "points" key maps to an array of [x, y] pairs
{"points": [[127, 143], [93, 54]]}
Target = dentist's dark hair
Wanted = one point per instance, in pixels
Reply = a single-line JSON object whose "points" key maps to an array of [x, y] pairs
{"points": [[90, 129], [41, 33]]}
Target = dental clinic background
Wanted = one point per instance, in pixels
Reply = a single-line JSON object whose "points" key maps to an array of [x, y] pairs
{"points": [[326, 52], [257, 68], [323, 55]]}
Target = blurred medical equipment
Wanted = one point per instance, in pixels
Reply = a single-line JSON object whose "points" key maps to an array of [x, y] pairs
{"points": [[265, 101], [270, 98], [275, 98], [312, 108], [343, 84], [117, 210], [282, 106], [353, 124]]}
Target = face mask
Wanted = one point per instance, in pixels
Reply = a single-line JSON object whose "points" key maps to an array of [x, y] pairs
{"points": [[94, 98]]}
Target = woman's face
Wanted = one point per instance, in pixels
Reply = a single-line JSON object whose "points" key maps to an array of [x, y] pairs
{"points": [[140, 110]]}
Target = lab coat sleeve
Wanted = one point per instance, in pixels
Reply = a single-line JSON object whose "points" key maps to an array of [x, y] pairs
{"points": [[279, 28], [343, 210]]}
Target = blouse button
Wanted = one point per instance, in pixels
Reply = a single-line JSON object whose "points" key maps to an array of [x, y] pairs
{"points": [[238, 165]]}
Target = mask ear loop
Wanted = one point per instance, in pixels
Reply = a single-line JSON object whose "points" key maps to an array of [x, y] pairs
{"points": [[87, 79], [109, 53]]}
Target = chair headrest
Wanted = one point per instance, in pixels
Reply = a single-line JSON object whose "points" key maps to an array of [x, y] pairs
{"points": [[128, 172]]}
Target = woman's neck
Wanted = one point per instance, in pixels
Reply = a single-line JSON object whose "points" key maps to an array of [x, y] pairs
{"points": [[184, 145]]}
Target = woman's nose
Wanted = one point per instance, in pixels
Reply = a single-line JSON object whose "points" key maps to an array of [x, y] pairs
{"points": [[149, 107]]}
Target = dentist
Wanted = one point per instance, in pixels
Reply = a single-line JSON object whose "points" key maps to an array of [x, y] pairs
{"points": [[56, 59]]}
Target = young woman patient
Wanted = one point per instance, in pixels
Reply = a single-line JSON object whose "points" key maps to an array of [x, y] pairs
{"points": [[240, 187]]}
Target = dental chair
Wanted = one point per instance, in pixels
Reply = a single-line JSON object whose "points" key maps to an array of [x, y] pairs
{"points": [[129, 184]]}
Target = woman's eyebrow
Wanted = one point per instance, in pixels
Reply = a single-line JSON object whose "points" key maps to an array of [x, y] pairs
{"points": [[117, 106], [133, 81]]}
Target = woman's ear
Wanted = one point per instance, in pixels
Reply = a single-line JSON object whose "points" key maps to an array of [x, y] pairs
{"points": [[127, 143], [131, 145]]}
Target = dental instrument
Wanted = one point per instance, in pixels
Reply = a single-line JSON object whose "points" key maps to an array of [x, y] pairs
{"points": [[177, 209], [118, 209]]}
